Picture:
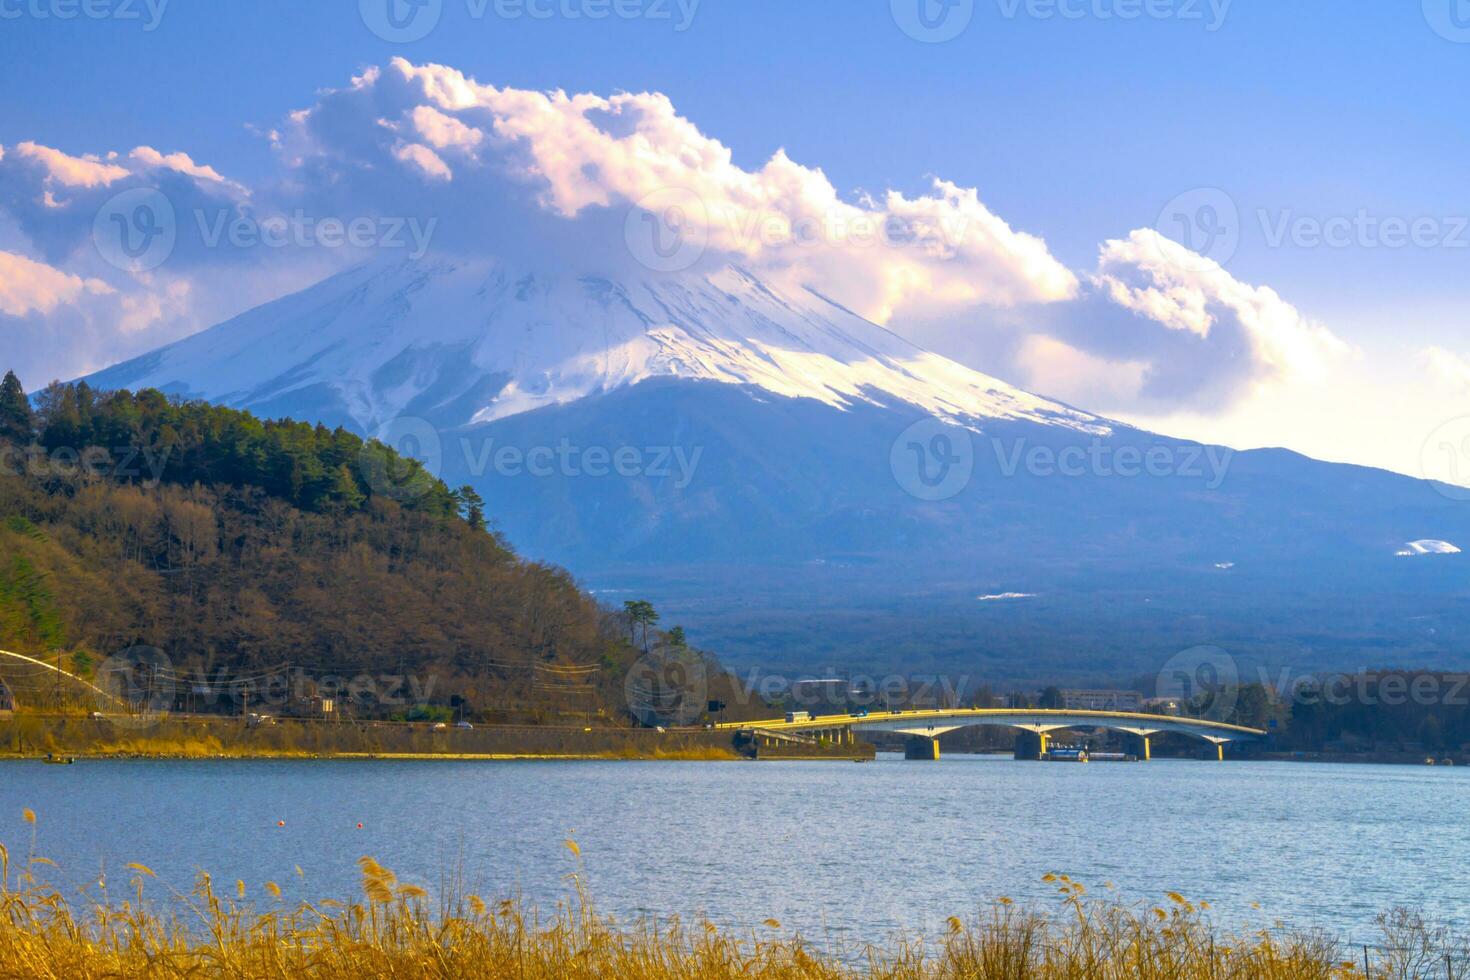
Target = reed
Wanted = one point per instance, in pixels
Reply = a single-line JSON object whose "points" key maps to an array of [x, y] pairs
{"points": [[398, 930]]}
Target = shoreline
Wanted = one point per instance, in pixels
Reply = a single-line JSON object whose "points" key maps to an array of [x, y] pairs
{"points": [[33, 737], [703, 754], [674, 756]]}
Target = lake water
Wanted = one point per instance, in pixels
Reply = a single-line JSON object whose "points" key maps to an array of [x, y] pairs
{"points": [[838, 850]]}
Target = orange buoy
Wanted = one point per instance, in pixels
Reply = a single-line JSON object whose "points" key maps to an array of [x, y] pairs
{"points": [[359, 826], [280, 823]]}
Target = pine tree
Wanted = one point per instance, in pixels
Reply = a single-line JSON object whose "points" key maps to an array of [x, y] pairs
{"points": [[640, 612], [345, 489], [473, 506], [16, 423]]}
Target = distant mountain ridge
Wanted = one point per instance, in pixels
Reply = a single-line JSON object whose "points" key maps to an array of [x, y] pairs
{"points": [[801, 486]]}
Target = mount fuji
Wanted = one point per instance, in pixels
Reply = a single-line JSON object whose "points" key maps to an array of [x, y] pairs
{"points": [[804, 489], [463, 344]]}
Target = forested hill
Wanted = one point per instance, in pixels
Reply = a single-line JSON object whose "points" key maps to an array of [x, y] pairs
{"points": [[236, 545]]}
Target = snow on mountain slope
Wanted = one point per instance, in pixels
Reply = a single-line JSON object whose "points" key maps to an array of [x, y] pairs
{"points": [[467, 343]]}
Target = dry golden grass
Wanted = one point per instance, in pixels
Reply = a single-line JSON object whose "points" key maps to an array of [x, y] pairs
{"points": [[30, 736], [395, 930]]}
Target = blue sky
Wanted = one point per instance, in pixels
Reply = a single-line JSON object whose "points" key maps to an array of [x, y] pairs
{"points": [[1075, 127]]}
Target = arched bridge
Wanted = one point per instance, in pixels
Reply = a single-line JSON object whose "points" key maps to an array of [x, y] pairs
{"points": [[924, 726]]}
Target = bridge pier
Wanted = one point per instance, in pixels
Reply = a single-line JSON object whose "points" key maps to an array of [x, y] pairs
{"points": [[1031, 745], [1141, 747], [921, 747]]}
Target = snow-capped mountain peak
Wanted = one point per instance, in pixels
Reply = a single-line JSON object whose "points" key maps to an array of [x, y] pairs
{"points": [[472, 342]]}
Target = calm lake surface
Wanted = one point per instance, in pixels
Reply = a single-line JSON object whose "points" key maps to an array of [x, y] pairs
{"points": [[838, 850]]}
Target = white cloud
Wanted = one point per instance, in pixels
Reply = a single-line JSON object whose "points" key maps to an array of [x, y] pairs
{"points": [[27, 286], [580, 154], [1447, 367], [1076, 377], [1153, 329], [444, 132], [425, 159], [70, 171], [149, 158], [1165, 282]]}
